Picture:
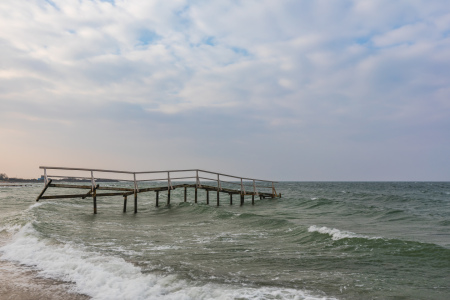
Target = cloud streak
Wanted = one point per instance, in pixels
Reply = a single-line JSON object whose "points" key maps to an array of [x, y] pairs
{"points": [[306, 90]]}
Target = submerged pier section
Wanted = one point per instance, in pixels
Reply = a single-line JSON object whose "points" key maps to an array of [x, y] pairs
{"points": [[134, 183]]}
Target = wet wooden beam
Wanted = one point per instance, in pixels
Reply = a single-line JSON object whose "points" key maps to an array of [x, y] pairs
{"points": [[157, 198], [207, 196], [185, 194], [231, 199], [43, 191], [195, 195], [168, 196], [125, 203]]}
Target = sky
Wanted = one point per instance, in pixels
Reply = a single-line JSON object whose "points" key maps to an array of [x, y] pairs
{"points": [[308, 90]]}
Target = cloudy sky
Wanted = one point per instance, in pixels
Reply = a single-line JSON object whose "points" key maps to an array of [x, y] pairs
{"points": [[283, 90]]}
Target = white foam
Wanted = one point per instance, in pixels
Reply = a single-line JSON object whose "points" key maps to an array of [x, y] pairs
{"points": [[108, 277], [337, 234]]}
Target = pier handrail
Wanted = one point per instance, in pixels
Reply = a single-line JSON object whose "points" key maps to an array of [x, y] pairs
{"points": [[152, 172]]}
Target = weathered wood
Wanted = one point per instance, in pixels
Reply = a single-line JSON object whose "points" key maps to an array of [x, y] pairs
{"points": [[43, 191], [90, 192], [119, 191], [82, 195], [94, 198], [135, 202]]}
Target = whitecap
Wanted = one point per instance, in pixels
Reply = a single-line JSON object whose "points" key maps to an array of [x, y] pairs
{"points": [[108, 277], [337, 234]]}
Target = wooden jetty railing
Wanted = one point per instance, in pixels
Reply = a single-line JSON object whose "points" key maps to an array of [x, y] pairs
{"points": [[135, 183]]}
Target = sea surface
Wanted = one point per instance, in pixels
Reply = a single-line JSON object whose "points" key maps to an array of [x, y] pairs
{"points": [[321, 240]]}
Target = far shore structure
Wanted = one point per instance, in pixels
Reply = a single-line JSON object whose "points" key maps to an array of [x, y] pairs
{"points": [[160, 180]]}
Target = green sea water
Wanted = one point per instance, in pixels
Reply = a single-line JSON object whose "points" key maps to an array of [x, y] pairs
{"points": [[321, 240]]}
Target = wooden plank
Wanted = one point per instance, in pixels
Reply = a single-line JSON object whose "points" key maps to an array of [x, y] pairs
{"points": [[76, 186], [43, 191]]}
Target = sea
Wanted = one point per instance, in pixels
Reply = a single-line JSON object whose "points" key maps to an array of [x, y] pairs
{"points": [[320, 240]]}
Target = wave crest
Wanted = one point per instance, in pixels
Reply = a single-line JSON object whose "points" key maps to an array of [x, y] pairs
{"points": [[337, 234]]}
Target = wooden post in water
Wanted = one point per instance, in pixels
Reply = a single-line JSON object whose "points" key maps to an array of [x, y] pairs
{"points": [[253, 199], [168, 196], [94, 192], [185, 194], [135, 193], [242, 199], [195, 194], [124, 203], [94, 197], [135, 201], [231, 198], [217, 197], [207, 197], [157, 198]]}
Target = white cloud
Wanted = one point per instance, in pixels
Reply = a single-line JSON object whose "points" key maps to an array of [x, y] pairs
{"points": [[332, 69]]}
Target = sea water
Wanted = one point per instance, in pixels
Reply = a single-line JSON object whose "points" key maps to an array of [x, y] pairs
{"points": [[321, 240]]}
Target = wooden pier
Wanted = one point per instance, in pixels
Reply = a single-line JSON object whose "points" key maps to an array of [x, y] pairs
{"points": [[134, 183]]}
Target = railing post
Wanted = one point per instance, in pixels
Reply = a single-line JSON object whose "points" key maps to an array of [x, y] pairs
{"points": [[45, 177], [198, 180], [92, 181], [218, 182]]}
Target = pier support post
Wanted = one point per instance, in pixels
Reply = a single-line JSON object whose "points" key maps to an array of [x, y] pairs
{"points": [[157, 198], [242, 199], [231, 199], [125, 203], [217, 197], [195, 195], [207, 197], [253, 199], [135, 201], [94, 197], [185, 194], [168, 196]]}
